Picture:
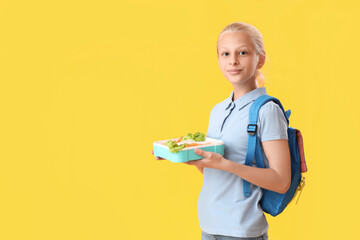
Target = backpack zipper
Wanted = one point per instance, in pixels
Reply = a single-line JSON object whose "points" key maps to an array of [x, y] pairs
{"points": [[299, 188]]}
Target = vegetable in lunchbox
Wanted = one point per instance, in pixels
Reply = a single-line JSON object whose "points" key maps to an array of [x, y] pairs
{"points": [[198, 136], [174, 147]]}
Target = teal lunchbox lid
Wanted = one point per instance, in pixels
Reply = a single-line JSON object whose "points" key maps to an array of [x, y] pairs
{"points": [[187, 154]]}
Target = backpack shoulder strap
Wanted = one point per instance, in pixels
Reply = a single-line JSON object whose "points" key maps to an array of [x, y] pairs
{"points": [[259, 102], [253, 148]]}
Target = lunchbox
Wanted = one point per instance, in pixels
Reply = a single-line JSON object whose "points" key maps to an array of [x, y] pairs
{"points": [[187, 154]]}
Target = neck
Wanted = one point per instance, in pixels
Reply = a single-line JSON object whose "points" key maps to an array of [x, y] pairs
{"points": [[241, 90]]}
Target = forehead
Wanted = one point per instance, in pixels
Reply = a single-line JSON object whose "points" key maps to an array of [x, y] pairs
{"points": [[235, 40]]}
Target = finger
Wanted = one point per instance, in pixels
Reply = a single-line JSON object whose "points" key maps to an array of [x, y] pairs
{"points": [[203, 153]]}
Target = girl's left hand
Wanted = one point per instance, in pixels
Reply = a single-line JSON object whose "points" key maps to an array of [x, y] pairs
{"points": [[210, 160]]}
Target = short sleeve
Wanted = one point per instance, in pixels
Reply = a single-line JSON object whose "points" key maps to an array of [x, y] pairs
{"points": [[272, 122]]}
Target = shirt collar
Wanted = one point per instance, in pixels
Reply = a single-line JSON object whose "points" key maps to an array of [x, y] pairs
{"points": [[244, 99]]}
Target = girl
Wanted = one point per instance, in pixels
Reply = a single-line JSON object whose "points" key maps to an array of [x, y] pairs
{"points": [[224, 213]]}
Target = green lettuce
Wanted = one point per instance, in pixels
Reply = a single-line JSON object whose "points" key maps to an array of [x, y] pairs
{"points": [[175, 148], [198, 137]]}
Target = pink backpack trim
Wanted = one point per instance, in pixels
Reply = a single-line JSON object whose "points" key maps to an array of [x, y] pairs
{"points": [[301, 151]]}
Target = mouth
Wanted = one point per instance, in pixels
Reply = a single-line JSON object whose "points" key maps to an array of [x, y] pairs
{"points": [[234, 71]]}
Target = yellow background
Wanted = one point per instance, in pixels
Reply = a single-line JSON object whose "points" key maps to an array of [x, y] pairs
{"points": [[88, 86]]}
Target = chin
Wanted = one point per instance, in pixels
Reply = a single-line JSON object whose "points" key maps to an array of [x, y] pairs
{"points": [[235, 80], [240, 83]]}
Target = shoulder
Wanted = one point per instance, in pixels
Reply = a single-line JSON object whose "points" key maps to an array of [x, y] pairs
{"points": [[270, 112], [272, 122], [270, 108]]}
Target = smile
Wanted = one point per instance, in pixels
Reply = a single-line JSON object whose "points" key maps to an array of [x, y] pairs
{"points": [[234, 72]]}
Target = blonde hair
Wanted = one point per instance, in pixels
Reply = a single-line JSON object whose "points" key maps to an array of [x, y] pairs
{"points": [[255, 36]]}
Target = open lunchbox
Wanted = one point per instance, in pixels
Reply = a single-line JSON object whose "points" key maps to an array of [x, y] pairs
{"points": [[187, 153]]}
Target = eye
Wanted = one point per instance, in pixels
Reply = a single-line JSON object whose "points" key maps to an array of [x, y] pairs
{"points": [[243, 52], [223, 53]]}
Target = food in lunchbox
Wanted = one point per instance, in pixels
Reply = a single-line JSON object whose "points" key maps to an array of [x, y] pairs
{"points": [[198, 136], [174, 147]]}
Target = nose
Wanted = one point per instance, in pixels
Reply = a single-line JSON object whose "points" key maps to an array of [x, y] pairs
{"points": [[234, 60]]}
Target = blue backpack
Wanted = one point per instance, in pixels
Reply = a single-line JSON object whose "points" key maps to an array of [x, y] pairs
{"points": [[272, 202]]}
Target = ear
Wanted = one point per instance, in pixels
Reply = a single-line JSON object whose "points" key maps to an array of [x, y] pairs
{"points": [[261, 62]]}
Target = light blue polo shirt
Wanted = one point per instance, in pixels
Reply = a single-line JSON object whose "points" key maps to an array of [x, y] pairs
{"points": [[222, 207]]}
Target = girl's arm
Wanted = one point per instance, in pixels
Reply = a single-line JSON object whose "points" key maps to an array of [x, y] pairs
{"points": [[277, 177]]}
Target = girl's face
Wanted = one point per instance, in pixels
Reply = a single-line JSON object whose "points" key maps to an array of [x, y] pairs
{"points": [[237, 51]]}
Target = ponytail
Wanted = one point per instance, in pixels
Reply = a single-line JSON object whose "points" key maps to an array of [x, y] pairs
{"points": [[260, 79]]}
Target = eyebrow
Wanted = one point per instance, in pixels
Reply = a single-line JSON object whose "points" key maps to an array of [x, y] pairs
{"points": [[243, 45]]}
